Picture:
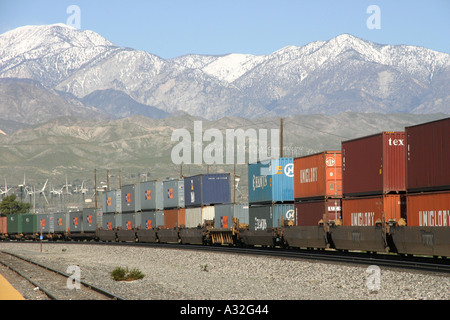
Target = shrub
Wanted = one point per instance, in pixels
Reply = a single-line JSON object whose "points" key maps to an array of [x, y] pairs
{"points": [[123, 274]]}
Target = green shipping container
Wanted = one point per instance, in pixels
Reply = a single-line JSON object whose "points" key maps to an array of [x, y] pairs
{"points": [[14, 224], [30, 223]]}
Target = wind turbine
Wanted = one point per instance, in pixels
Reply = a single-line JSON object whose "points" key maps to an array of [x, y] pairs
{"points": [[5, 192], [42, 191]]}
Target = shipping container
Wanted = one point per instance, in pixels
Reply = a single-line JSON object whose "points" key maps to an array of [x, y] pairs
{"points": [[318, 176], [29, 223], [374, 164], [151, 195], [14, 224], [112, 201], [109, 221], [309, 213], [127, 221], [173, 193], [131, 198], [60, 222], [174, 218], [46, 223], [3, 225], [271, 181], [207, 189], [431, 209], [265, 217], [224, 214], [75, 221], [199, 216], [370, 210], [89, 220], [428, 154], [145, 220]]}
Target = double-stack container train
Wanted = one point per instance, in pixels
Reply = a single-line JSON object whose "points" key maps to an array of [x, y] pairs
{"points": [[387, 192]]}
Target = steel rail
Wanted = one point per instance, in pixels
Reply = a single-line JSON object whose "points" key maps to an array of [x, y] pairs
{"points": [[87, 285]]}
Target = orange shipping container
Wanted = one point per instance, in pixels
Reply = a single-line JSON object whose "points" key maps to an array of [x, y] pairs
{"points": [[367, 211], [428, 209], [3, 224], [174, 218], [318, 176]]}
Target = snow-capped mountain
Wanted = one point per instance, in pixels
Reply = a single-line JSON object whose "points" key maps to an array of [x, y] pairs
{"points": [[343, 74]]}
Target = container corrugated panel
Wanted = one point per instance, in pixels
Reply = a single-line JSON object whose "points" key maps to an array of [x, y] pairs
{"points": [[151, 195], [367, 211], [241, 212], [309, 213], [75, 221], [374, 164], [89, 219], [193, 217], [271, 181], [318, 175], [431, 209], [173, 193], [207, 189], [428, 154], [263, 217], [174, 218], [131, 201]]}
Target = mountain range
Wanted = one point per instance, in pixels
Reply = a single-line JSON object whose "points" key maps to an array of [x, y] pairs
{"points": [[78, 72]]}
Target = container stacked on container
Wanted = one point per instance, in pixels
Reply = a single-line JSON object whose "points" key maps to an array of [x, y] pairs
{"points": [[373, 172], [193, 204], [151, 197], [318, 188], [271, 193], [428, 174]]}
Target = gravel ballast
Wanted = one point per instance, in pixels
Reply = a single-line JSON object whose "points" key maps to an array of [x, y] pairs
{"points": [[172, 274]]}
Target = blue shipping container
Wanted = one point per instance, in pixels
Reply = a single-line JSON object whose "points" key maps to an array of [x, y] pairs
{"points": [[207, 189], [271, 181]]}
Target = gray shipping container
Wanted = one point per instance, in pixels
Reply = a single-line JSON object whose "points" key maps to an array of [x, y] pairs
{"points": [[145, 220], [46, 220], [131, 201], [151, 195], [173, 194], [75, 221], [109, 221], [112, 201], [128, 221], [263, 217], [89, 219], [224, 214], [61, 222]]}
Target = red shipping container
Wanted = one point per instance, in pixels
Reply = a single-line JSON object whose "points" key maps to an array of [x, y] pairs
{"points": [[174, 218], [318, 175], [428, 209], [309, 213], [374, 164], [367, 211], [428, 156]]}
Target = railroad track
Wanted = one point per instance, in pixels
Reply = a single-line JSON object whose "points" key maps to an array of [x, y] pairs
{"points": [[423, 264], [55, 284]]}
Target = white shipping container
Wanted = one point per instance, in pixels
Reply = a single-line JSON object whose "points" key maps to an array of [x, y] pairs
{"points": [[198, 216]]}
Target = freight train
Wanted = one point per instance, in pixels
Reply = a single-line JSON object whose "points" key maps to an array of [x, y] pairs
{"points": [[388, 192]]}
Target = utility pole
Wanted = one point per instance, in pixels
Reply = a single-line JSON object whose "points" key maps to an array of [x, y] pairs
{"points": [[95, 187], [281, 137], [107, 180]]}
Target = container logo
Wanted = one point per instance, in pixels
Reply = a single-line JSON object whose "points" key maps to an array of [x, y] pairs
{"points": [[109, 201], [396, 142], [128, 225], [434, 218], [148, 224], [109, 226], [128, 197], [290, 214], [330, 162], [75, 221], [289, 170], [363, 218], [308, 175], [60, 222], [148, 195], [260, 224], [224, 222], [170, 193], [259, 182], [89, 219]]}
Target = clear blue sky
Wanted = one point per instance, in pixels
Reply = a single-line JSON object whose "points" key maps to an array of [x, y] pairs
{"points": [[172, 28]]}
